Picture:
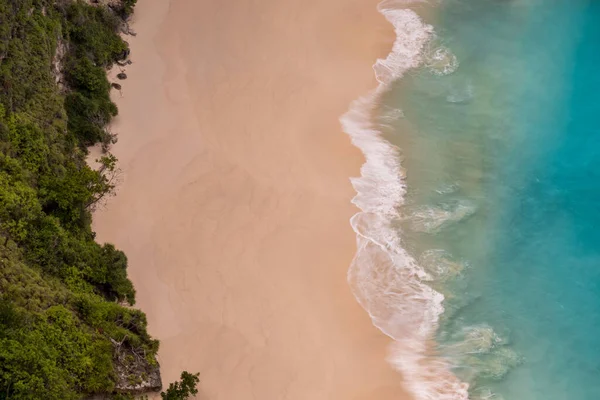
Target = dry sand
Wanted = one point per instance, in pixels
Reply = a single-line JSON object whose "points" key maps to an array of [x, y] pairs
{"points": [[235, 201]]}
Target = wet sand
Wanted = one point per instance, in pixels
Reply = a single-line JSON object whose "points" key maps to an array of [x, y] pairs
{"points": [[235, 200]]}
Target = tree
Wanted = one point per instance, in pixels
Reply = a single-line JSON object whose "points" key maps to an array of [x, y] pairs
{"points": [[183, 389], [60, 291]]}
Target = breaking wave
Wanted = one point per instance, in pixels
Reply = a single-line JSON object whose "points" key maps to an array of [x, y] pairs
{"points": [[385, 279], [398, 291]]}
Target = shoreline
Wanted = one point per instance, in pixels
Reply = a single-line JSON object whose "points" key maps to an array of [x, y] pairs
{"points": [[239, 264], [386, 280]]}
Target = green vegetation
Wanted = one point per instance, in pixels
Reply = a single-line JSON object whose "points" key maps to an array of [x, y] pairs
{"points": [[183, 389], [61, 315]]}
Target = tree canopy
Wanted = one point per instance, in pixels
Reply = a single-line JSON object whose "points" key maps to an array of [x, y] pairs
{"points": [[64, 298], [182, 389]]}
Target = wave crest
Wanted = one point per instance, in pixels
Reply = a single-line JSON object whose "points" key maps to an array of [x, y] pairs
{"points": [[407, 51], [385, 279]]}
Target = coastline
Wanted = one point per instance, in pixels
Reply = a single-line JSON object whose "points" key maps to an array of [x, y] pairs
{"points": [[240, 264], [387, 281]]}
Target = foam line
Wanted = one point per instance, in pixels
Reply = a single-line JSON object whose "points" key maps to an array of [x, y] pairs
{"points": [[385, 279]]}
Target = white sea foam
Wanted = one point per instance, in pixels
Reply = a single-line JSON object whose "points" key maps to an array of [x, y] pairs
{"points": [[486, 394], [439, 267], [385, 279], [441, 61], [461, 94], [432, 219], [447, 188], [390, 115], [411, 36]]}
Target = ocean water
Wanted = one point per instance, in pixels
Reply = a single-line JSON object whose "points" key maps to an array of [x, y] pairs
{"points": [[479, 236]]}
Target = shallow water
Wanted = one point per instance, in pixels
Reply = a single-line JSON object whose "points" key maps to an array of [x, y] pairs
{"points": [[499, 137]]}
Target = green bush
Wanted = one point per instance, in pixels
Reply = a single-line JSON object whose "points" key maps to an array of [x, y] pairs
{"points": [[92, 33], [88, 116], [60, 291], [182, 389]]}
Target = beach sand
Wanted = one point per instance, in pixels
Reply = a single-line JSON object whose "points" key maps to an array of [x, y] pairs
{"points": [[234, 205]]}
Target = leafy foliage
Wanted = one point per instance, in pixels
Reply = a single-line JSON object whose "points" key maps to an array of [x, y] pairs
{"points": [[126, 8], [91, 32], [60, 291], [182, 389]]}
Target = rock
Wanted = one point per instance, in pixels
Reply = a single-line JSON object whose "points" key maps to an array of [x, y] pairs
{"points": [[57, 62], [126, 29], [135, 375], [124, 63], [115, 85], [138, 384], [122, 75]]}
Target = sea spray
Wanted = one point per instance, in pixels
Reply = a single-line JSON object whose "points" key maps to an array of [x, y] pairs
{"points": [[386, 280]]}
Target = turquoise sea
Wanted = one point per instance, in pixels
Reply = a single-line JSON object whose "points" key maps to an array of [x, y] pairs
{"points": [[488, 239]]}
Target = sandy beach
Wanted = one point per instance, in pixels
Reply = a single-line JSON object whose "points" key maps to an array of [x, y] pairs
{"points": [[234, 205]]}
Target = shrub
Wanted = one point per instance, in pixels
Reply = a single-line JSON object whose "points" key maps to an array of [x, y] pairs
{"points": [[59, 289], [182, 389]]}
